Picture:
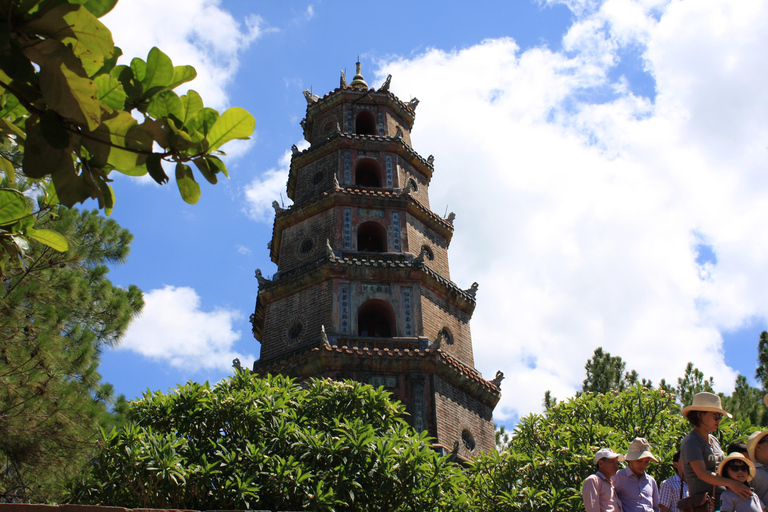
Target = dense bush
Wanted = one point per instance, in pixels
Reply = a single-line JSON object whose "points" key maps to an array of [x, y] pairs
{"points": [[268, 443]]}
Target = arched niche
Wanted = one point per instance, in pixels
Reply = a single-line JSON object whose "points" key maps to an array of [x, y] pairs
{"points": [[365, 123], [368, 173], [376, 318], [371, 237]]}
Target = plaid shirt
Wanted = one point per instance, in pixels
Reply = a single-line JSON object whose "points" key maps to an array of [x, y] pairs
{"points": [[670, 492]]}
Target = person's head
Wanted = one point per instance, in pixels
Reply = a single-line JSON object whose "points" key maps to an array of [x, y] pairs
{"points": [[607, 461], [757, 447], [705, 412], [737, 447], [676, 462], [639, 455], [737, 467]]}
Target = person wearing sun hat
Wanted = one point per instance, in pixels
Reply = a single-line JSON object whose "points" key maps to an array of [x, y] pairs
{"points": [[598, 492], [700, 451], [636, 489], [737, 467], [757, 449]]}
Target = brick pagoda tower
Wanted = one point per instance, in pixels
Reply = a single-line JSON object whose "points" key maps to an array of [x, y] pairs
{"points": [[363, 287]]}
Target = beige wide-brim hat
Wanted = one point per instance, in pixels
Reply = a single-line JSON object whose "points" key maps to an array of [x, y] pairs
{"points": [[707, 402], [753, 440], [639, 448], [737, 456]]}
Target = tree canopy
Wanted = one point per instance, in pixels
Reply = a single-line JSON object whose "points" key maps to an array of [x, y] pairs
{"points": [[56, 314], [78, 116]]}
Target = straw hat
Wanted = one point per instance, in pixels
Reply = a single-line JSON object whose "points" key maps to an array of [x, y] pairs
{"points": [[639, 448], [708, 402], [752, 442], [607, 453], [737, 456], [765, 399]]}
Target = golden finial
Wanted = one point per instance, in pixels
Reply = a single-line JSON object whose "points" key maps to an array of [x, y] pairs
{"points": [[358, 80]]}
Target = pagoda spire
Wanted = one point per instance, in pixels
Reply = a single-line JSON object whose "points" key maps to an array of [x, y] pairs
{"points": [[358, 80]]}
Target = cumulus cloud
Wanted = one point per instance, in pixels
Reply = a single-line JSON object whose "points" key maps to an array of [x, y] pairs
{"points": [[581, 207], [174, 329], [269, 187], [191, 32]]}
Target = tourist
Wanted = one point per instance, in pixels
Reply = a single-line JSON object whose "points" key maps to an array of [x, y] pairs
{"points": [[597, 491], [757, 447], [700, 451], [636, 489], [737, 467], [669, 491]]}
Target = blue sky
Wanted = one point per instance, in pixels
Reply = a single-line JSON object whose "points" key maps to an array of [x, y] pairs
{"points": [[606, 161]]}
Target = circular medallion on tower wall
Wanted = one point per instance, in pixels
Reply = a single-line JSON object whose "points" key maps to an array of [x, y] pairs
{"points": [[306, 246], [295, 330], [317, 178]]}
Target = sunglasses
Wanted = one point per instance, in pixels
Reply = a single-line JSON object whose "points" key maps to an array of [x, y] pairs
{"points": [[738, 467], [717, 416]]}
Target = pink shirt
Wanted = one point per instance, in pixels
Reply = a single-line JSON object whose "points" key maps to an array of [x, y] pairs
{"points": [[599, 495]]}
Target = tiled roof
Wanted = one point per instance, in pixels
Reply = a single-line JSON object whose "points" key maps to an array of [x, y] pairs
{"points": [[328, 95], [280, 364]]}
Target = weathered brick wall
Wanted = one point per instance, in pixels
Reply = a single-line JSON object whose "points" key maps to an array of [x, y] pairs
{"points": [[311, 306], [393, 122], [316, 178], [457, 411], [419, 235], [318, 228], [405, 171], [438, 313], [325, 125]]}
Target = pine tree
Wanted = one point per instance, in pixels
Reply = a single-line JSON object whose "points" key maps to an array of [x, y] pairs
{"points": [[761, 374], [692, 382], [57, 312], [606, 373]]}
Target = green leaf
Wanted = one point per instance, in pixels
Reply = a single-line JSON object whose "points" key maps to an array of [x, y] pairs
{"points": [[13, 206], [75, 26], [159, 71], [124, 132], [216, 165], [111, 91], [235, 123], [190, 190], [164, 104], [50, 238], [155, 168], [191, 103], [8, 168], [99, 7], [139, 69], [202, 166], [64, 84], [182, 74], [201, 123], [40, 158], [53, 130]]}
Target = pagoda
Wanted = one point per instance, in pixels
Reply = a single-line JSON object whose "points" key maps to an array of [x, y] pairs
{"points": [[363, 289]]}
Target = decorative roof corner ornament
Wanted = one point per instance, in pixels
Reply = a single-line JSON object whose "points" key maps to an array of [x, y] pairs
{"points": [[419, 261], [358, 80], [472, 291], [263, 281], [454, 453], [338, 127], [294, 150], [385, 86], [336, 183], [311, 98], [431, 160], [236, 364], [399, 133], [343, 80], [324, 337], [450, 218], [497, 380], [413, 103], [329, 250], [438, 341], [277, 207], [407, 189]]}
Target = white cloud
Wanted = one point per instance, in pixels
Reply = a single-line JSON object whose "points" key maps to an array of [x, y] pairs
{"points": [[173, 329], [269, 187], [191, 32], [580, 205]]}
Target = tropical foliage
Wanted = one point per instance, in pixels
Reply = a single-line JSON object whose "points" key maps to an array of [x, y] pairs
{"points": [[78, 116], [268, 443]]}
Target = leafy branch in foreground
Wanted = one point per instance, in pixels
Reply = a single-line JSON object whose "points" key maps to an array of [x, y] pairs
{"points": [[77, 115]]}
